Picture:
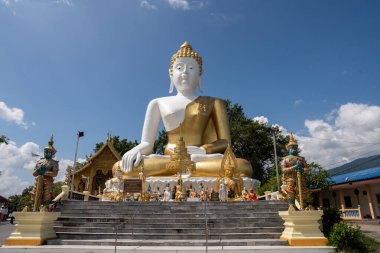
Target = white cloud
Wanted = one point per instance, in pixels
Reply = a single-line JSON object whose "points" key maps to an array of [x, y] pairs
{"points": [[11, 184], [64, 2], [63, 163], [298, 102], [15, 115], [218, 16], [9, 2], [145, 4], [261, 119], [345, 135], [179, 4], [17, 164]]}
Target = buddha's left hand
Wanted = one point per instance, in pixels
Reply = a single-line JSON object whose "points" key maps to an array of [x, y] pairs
{"points": [[194, 150]]}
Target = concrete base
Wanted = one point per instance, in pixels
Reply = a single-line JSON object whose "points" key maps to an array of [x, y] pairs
{"points": [[33, 228], [302, 228], [146, 249]]}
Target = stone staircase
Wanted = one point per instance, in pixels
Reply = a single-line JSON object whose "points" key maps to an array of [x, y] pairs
{"points": [[169, 223]]}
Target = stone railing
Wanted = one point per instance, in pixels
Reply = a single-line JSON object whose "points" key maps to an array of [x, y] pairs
{"points": [[68, 194], [351, 214]]}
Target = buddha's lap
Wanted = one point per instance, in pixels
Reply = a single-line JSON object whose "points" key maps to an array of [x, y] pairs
{"points": [[205, 168]]}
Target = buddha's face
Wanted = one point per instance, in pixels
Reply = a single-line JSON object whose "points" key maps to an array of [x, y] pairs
{"points": [[185, 74]]}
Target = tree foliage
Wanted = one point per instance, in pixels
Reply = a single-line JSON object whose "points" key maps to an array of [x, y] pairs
{"points": [[4, 139], [253, 141], [121, 145], [318, 177], [160, 143]]}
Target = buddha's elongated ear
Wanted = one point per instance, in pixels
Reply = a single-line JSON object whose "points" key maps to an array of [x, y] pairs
{"points": [[171, 86], [200, 84]]}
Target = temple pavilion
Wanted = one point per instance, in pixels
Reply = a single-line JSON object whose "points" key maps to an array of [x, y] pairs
{"points": [[97, 169]]}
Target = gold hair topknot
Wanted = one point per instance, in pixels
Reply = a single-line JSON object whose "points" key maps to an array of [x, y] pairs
{"points": [[186, 51]]}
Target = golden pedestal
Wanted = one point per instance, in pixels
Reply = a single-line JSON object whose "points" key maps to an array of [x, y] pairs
{"points": [[33, 228], [302, 228]]}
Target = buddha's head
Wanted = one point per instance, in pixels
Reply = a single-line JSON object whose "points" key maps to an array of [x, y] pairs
{"points": [[185, 70]]}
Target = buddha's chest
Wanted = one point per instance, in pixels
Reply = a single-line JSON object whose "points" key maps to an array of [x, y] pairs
{"points": [[185, 112]]}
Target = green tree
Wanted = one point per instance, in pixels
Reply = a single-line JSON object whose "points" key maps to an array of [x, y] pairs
{"points": [[253, 141], [121, 146], [4, 139], [318, 177], [160, 143], [18, 202]]}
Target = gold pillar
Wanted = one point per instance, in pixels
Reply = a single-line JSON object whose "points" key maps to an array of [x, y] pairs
{"points": [[341, 199], [370, 202], [91, 181]]}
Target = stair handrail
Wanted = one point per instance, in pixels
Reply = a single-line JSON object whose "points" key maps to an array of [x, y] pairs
{"points": [[206, 223], [127, 221]]}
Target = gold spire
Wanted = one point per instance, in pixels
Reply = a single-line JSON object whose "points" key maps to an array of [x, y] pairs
{"points": [[229, 161], [50, 145], [292, 141], [186, 50]]}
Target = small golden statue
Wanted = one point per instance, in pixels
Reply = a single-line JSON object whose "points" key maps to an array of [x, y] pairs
{"points": [[232, 180], [179, 194], [294, 168], [180, 161]]}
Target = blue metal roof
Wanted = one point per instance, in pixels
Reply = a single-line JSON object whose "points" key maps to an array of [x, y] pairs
{"points": [[357, 176]]}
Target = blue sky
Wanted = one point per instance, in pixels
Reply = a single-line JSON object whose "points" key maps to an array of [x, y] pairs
{"points": [[68, 65]]}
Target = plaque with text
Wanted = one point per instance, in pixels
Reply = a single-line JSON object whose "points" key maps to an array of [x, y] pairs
{"points": [[214, 196], [132, 185]]}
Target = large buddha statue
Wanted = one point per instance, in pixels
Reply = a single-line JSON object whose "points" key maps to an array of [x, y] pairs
{"points": [[201, 120]]}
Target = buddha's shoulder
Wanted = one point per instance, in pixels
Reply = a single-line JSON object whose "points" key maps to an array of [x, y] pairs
{"points": [[213, 100], [160, 100]]}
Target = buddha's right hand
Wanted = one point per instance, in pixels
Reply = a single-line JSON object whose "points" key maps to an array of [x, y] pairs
{"points": [[131, 159]]}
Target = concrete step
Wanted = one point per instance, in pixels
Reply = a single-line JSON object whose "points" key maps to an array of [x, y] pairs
{"points": [[174, 236], [211, 224], [128, 242], [163, 231], [168, 220], [174, 215]]}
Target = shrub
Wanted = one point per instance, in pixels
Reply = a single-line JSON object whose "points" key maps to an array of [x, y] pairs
{"points": [[347, 238], [330, 217]]}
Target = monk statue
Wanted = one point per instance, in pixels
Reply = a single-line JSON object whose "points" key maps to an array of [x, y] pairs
{"points": [[202, 122], [294, 185], [115, 186]]}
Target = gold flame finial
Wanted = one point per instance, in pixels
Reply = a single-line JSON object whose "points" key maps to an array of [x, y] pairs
{"points": [[186, 50], [50, 145], [292, 141]]}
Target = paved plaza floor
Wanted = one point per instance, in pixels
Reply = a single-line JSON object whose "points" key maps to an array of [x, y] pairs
{"points": [[5, 230]]}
